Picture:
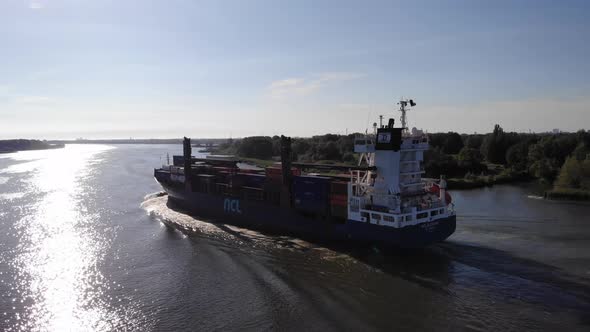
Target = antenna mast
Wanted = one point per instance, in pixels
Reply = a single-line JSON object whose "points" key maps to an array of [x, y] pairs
{"points": [[403, 104], [402, 109]]}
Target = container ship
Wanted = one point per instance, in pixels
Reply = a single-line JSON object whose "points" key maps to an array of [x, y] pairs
{"points": [[382, 201]]}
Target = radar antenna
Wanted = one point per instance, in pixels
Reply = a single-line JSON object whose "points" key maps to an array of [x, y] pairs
{"points": [[403, 104]]}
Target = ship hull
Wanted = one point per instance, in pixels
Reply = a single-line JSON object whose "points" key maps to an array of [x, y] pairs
{"points": [[260, 215]]}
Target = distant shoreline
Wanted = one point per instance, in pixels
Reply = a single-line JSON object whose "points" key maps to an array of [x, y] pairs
{"points": [[204, 141], [16, 145], [567, 195]]}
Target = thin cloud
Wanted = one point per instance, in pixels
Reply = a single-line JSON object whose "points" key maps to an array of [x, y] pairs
{"points": [[298, 87], [34, 100], [35, 5]]}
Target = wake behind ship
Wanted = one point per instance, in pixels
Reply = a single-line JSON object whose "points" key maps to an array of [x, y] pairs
{"points": [[382, 201]]}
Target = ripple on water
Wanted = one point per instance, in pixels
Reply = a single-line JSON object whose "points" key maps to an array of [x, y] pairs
{"points": [[11, 196], [56, 264], [156, 205]]}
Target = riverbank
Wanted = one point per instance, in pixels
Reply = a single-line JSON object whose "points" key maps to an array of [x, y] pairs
{"points": [[480, 181], [568, 194], [15, 145]]}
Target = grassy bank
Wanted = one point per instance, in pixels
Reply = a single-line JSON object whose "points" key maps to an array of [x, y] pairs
{"points": [[258, 162], [568, 194], [479, 181]]}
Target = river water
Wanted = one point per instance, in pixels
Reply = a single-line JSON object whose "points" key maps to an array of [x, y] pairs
{"points": [[83, 248]]}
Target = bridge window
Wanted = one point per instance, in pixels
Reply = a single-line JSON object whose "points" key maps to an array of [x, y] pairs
{"points": [[433, 213], [422, 215], [388, 218], [376, 216]]}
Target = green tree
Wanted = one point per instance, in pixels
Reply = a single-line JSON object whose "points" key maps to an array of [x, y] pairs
{"points": [[328, 151], [581, 152], [470, 160], [453, 143], [437, 163], [300, 148], [517, 156], [574, 174], [256, 147], [493, 146], [543, 169], [474, 141]]}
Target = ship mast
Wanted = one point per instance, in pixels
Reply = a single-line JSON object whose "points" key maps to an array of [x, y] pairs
{"points": [[403, 104]]}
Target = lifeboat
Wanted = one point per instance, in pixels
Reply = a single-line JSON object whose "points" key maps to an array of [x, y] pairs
{"points": [[435, 189]]}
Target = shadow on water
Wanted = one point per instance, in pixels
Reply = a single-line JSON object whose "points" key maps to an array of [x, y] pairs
{"points": [[445, 267]]}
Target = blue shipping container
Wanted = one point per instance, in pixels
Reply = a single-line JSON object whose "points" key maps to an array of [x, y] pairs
{"points": [[177, 160], [250, 180], [315, 184], [311, 193]]}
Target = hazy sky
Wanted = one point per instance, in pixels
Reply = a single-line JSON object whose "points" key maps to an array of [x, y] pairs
{"points": [[127, 68]]}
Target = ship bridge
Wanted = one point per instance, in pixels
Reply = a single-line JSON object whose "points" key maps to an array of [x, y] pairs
{"points": [[394, 189]]}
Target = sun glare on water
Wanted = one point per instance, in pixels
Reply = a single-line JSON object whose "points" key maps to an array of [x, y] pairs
{"points": [[60, 251]]}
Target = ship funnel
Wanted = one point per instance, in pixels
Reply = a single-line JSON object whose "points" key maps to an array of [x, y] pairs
{"points": [[391, 122]]}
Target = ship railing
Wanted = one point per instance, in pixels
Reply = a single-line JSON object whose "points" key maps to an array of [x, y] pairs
{"points": [[400, 220], [424, 207]]}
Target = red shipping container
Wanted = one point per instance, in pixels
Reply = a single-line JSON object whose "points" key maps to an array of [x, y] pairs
{"points": [[278, 171], [339, 200], [339, 187]]}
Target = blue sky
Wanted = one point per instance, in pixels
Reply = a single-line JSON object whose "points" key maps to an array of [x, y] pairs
{"points": [[127, 68]]}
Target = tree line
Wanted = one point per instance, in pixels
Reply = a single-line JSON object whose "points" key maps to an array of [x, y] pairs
{"points": [[562, 158], [537, 155], [321, 148]]}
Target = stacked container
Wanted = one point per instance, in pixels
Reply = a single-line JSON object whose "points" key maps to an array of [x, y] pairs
{"points": [[177, 160], [273, 185], [274, 174], [311, 194], [274, 182], [204, 183], [252, 194], [248, 180], [339, 199]]}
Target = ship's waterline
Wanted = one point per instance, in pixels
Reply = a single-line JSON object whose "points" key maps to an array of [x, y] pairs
{"points": [[382, 201]]}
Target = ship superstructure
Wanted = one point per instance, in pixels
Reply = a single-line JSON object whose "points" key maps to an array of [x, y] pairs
{"points": [[383, 200], [394, 194]]}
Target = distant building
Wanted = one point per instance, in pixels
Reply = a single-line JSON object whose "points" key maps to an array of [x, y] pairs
{"points": [[556, 131]]}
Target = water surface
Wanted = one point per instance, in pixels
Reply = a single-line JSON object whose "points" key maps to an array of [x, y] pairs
{"points": [[82, 247]]}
